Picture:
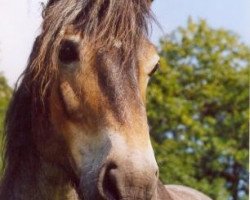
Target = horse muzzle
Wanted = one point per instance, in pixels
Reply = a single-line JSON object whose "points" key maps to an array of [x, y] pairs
{"points": [[120, 180], [121, 171], [127, 182]]}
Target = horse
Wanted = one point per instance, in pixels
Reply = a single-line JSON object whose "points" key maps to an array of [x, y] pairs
{"points": [[76, 127]]}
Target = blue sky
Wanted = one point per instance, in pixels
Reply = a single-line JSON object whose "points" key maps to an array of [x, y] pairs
{"points": [[229, 14], [20, 20]]}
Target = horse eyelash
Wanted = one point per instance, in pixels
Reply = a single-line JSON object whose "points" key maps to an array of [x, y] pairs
{"points": [[157, 66]]}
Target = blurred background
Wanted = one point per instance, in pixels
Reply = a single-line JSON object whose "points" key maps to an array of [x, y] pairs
{"points": [[198, 102]]}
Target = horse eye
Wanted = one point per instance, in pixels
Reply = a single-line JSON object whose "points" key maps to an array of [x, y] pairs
{"points": [[68, 52], [157, 66]]}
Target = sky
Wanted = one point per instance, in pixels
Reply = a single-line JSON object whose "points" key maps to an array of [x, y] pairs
{"points": [[20, 22]]}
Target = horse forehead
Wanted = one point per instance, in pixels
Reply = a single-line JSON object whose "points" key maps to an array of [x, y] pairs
{"points": [[116, 81], [110, 66], [71, 33]]}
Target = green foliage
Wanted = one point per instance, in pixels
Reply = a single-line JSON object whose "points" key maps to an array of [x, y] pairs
{"points": [[5, 94], [198, 111]]}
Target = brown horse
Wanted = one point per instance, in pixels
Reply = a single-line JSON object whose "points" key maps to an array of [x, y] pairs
{"points": [[76, 127]]}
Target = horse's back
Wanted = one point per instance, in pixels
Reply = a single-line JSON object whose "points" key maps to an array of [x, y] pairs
{"points": [[178, 192]]}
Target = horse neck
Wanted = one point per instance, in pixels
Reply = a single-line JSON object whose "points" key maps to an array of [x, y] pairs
{"points": [[35, 179]]}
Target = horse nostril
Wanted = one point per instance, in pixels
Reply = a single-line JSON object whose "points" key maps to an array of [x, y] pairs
{"points": [[110, 182]]}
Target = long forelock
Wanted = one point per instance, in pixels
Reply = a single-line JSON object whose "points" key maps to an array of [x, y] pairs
{"points": [[100, 22]]}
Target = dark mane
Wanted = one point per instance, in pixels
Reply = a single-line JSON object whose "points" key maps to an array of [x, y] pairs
{"points": [[100, 22]]}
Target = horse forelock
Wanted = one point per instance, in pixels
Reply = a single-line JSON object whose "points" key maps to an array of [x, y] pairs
{"points": [[100, 23]]}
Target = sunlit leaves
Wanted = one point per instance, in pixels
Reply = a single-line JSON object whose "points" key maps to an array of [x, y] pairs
{"points": [[5, 94]]}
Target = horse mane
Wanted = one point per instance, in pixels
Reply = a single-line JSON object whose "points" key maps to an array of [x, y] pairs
{"points": [[100, 22]]}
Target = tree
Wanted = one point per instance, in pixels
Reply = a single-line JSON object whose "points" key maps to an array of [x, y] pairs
{"points": [[5, 94], [198, 111]]}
